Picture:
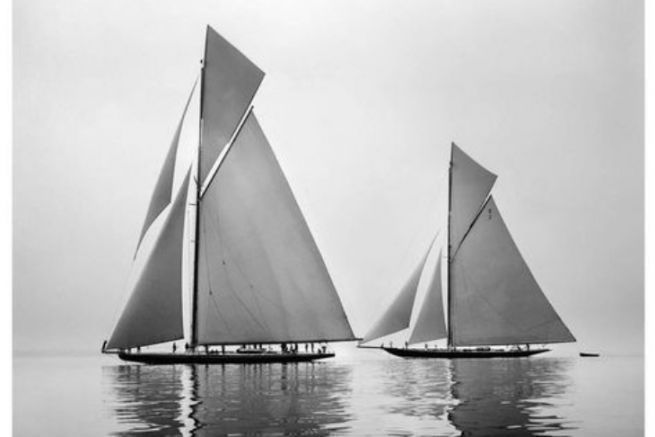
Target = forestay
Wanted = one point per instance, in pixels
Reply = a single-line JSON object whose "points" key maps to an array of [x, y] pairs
{"points": [[229, 83], [495, 298], [260, 277], [153, 313], [430, 324]]}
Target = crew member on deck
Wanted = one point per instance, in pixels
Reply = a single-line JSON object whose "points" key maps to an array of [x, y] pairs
{"points": [[174, 347]]}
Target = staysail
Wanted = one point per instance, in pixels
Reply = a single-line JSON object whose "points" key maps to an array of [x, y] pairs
{"points": [[161, 195], [398, 315], [153, 313], [430, 324], [469, 186], [495, 299], [260, 277], [229, 83]]}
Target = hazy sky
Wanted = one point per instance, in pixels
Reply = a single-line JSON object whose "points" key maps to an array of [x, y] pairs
{"points": [[360, 102]]}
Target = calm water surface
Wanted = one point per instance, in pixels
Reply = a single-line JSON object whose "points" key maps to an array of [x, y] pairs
{"points": [[358, 393]]}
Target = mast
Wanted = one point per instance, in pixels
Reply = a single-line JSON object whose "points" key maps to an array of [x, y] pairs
{"points": [[196, 246], [449, 300]]}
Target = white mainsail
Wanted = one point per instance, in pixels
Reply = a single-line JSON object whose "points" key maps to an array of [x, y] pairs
{"points": [[161, 195], [229, 83], [495, 299], [399, 313], [261, 277], [430, 324], [153, 313]]}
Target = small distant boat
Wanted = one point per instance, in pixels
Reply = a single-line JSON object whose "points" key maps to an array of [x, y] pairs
{"points": [[258, 277], [589, 354], [494, 305]]}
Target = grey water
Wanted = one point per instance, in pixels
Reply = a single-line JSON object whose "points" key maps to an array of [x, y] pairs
{"points": [[360, 392]]}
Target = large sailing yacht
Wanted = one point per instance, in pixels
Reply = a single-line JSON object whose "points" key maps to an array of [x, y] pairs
{"points": [[258, 276], [494, 306]]}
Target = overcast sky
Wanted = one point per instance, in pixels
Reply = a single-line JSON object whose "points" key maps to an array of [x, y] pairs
{"points": [[360, 102]]}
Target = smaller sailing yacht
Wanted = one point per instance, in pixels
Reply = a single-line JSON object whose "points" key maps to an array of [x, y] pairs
{"points": [[258, 277], [494, 306]]}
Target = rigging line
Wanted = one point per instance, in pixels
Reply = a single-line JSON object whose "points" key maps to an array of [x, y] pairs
{"points": [[244, 276], [475, 219], [218, 313], [257, 294], [209, 284], [211, 292], [227, 276], [238, 298], [225, 150]]}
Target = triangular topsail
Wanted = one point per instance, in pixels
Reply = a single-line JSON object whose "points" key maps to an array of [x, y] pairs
{"points": [[161, 195], [261, 277], [495, 299], [430, 324], [469, 186], [229, 83], [153, 313], [398, 315]]}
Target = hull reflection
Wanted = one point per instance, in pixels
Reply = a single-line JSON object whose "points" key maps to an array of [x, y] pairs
{"points": [[285, 399], [509, 397]]}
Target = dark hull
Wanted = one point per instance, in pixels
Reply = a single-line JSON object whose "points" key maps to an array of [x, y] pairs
{"points": [[587, 354], [444, 353], [228, 358]]}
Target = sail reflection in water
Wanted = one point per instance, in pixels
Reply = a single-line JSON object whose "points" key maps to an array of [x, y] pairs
{"points": [[146, 399], [219, 400], [510, 397]]}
